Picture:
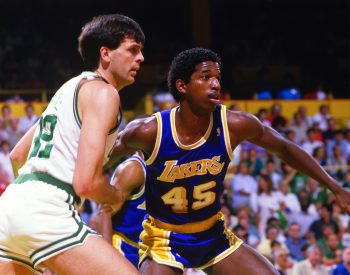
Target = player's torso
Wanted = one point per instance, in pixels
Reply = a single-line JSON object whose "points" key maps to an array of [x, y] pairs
{"points": [[184, 182], [55, 144]]}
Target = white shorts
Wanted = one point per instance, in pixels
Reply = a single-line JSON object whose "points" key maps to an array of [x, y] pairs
{"points": [[37, 221]]}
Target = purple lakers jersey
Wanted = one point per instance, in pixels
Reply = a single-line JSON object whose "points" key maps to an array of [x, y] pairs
{"points": [[184, 183]]}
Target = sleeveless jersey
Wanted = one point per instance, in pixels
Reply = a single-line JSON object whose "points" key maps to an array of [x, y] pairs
{"points": [[54, 147], [184, 183], [127, 222]]}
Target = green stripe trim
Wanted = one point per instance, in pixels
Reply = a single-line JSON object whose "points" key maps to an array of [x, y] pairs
{"points": [[49, 180], [58, 241], [81, 240], [31, 266], [75, 104]]}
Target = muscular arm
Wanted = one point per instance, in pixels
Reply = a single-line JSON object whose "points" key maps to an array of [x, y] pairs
{"points": [[139, 134], [98, 104], [129, 178], [243, 126]]}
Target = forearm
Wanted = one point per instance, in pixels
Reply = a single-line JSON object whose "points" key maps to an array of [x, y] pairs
{"points": [[300, 160]]}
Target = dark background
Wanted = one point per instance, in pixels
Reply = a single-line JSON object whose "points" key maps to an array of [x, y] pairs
{"points": [[307, 38]]}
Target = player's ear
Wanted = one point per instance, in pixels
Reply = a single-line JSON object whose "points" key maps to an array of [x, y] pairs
{"points": [[180, 86], [104, 54]]}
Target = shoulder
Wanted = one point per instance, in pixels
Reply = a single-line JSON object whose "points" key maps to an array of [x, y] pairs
{"points": [[243, 125], [140, 133], [98, 92]]}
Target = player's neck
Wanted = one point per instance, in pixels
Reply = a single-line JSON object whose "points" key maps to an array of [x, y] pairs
{"points": [[189, 122]]}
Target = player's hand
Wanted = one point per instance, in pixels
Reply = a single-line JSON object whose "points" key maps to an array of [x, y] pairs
{"points": [[342, 197], [105, 209]]}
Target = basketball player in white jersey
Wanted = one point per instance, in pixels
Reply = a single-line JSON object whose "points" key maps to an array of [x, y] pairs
{"points": [[63, 155]]}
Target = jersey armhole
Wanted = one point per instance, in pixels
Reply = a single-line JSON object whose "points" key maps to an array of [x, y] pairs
{"points": [[158, 140], [226, 132]]}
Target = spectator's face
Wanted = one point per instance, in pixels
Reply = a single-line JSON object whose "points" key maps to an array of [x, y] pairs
{"points": [[282, 259], [243, 168], [242, 214], [263, 184], [294, 231], [315, 256], [332, 241], [324, 110], [270, 167], [313, 185], [29, 111], [284, 187], [272, 234]]}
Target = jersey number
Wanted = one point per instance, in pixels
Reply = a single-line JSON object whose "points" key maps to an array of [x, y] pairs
{"points": [[176, 197], [42, 146]]}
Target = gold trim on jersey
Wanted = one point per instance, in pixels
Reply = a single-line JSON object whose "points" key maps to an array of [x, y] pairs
{"points": [[226, 132], [117, 243], [117, 236], [187, 228], [137, 195], [158, 140], [190, 146]]}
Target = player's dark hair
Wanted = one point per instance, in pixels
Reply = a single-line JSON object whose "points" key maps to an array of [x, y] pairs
{"points": [[183, 66], [109, 31]]}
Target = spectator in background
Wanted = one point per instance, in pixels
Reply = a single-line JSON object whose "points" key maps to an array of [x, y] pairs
{"points": [[296, 180], [330, 248], [331, 129], [265, 202], [288, 201], [243, 186], [322, 116], [255, 164], [307, 120], [245, 221], [264, 247], [262, 116], [282, 263], [318, 196], [311, 142], [6, 116], [276, 113], [275, 176], [306, 216], [28, 119], [347, 141], [344, 267], [319, 153], [5, 162], [14, 133], [337, 139], [290, 135], [299, 128], [295, 241], [325, 219], [337, 163], [312, 264]]}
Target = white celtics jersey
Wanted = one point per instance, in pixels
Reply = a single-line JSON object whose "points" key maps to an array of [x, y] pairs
{"points": [[54, 148]]}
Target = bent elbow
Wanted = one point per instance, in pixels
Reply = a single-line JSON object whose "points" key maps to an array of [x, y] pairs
{"points": [[82, 189]]}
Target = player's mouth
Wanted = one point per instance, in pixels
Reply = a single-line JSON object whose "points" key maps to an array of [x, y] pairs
{"points": [[214, 98], [134, 70]]}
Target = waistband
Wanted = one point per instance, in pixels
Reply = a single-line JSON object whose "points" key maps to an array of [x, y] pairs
{"points": [[49, 180], [188, 228]]}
